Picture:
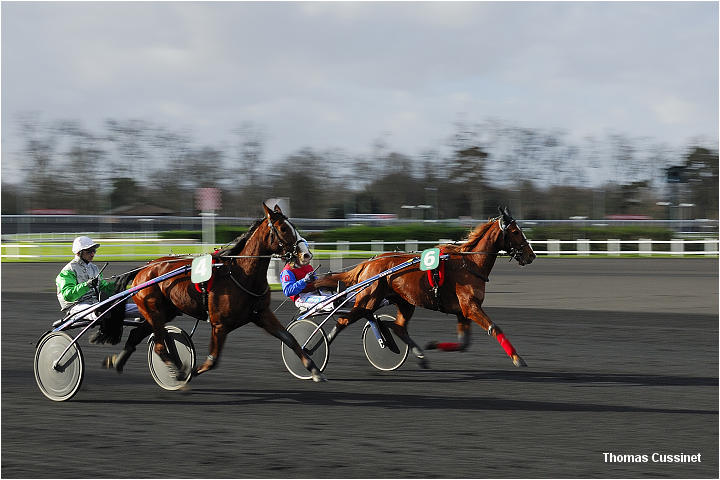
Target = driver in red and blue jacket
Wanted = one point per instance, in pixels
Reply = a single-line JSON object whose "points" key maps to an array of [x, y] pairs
{"points": [[302, 291], [296, 280]]}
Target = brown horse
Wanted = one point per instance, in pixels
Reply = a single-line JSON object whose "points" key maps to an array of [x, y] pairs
{"points": [[239, 294], [462, 290]]}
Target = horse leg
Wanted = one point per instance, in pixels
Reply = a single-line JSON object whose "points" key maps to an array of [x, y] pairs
{"points": [[217, 340], [339, 326], [404, 313], [272, 325], [136, 336], [169, 357], [473, 311], [463, 333], [342, 322]]}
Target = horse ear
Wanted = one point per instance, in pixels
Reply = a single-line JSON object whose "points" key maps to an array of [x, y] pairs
{"points": [[277, 209], [267, 210], [506, 214], [505, 211]]}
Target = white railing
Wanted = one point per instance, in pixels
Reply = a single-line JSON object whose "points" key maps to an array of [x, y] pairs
{"points": [[581, 247]]}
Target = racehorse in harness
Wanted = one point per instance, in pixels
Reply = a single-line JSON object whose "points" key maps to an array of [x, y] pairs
{"points": [[239, 294], [459, 291]]}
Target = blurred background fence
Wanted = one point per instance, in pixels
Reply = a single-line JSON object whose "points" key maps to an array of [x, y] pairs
{"points": [[144, 249], [14, 226], [47, 238]]}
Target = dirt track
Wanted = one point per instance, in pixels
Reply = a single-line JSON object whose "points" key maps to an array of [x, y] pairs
{"points": [[622, 354]]}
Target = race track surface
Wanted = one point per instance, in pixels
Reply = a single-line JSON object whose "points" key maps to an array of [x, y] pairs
{"points": [[622, 355]]}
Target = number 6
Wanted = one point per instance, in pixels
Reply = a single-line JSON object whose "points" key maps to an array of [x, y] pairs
{"points": [[429, 258]]}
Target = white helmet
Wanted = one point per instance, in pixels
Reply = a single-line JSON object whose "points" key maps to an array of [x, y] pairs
{"points": [[82, 243]]}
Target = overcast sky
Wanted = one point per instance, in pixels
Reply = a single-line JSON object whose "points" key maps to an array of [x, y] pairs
{"points": [[342, 75]]}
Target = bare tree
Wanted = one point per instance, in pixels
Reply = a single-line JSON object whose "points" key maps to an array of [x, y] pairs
{"points": [[129, 138], [84, 157], [40, 145], [246, 166]]}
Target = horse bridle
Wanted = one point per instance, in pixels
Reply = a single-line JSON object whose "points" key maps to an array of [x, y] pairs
{"points": [[287, 253], [514, 252]]}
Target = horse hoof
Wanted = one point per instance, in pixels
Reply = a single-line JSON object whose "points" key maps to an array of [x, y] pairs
{"points": [[109, 361], [98, 338], [180, 374], [184, 374], [319, 377], [518, 361]]}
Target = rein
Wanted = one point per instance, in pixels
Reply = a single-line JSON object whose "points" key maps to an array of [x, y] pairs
{"points": [[188, 257], [415, 254], [257, 295]]}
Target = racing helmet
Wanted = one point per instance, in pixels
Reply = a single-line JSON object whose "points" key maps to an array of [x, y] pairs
{"points": [[82, 243]]}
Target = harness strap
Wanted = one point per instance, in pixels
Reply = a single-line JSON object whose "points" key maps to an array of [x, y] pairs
{"points": [[267, 289], [436, 278], [204, 287], [205, 294]]}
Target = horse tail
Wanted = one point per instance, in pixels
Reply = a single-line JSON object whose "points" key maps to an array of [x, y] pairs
{"points": [[117, 313], [124, 280], [112, 325], [346, 278]]}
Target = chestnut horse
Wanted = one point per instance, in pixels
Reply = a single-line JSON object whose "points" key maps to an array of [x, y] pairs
{"points": [[239, 294], [461, 291]]}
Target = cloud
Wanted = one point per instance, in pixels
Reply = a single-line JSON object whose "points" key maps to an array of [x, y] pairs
{"points": [[674, 111], [342, 74]]}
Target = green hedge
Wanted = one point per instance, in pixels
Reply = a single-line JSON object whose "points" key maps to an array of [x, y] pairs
{"points": [[223, 233], [363, 233], [431, 233], [598, 233], [420, 232]]}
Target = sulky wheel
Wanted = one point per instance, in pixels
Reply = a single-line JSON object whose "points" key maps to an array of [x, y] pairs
{"points": [[317, 348], [384, 357], [181, 342], [59, 379]]}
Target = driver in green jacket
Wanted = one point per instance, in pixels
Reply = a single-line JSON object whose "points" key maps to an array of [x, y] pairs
{"points": [[78, 286]]}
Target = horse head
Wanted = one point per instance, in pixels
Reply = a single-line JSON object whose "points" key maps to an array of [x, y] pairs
{"points": [[514, 239], [285, 237]]}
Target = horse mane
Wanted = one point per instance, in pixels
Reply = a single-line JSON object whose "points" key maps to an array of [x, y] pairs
{"points": [[473, 237], [240, 241]]}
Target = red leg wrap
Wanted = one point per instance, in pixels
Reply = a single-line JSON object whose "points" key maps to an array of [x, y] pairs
{"points": [[506, 345], [449, 346]]}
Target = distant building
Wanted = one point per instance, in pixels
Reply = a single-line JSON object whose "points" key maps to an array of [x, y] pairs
{"points": [[139, 210], [51, 211]]}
